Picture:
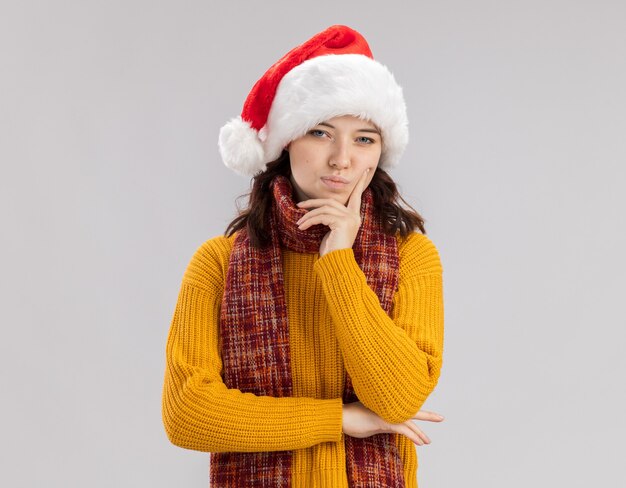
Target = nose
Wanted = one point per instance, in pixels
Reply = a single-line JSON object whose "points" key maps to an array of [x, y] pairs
{"points": [[340, 156]]}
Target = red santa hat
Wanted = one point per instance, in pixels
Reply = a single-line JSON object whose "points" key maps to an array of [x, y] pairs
{"points": [[331, 74]]}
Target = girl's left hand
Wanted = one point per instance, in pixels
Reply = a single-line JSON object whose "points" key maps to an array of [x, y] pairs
{"points": [[344, 221], [359, 421]]}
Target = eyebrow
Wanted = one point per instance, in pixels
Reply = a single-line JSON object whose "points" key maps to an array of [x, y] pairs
{"points": [[374, 131]]}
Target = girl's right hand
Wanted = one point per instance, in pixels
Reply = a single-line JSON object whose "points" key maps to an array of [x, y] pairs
{"points": [[359, 421]]}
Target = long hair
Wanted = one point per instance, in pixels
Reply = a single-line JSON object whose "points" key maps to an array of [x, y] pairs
{"points": [[254, 217]]}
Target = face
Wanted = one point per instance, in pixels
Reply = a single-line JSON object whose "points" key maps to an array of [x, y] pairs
{"points": [[329, 159]]}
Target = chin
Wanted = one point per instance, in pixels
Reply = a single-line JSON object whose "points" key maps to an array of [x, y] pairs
{"points": [[323, 192], [340, 198]]}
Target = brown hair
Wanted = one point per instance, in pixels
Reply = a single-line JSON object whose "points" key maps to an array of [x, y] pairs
{"points": [[395, 218]]}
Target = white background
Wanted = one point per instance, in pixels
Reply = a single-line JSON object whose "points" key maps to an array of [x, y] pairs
{"points": [[111, 178]]}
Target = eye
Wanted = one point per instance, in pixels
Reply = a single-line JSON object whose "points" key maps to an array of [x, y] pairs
{"points": [[366, 140], [317, 133]]}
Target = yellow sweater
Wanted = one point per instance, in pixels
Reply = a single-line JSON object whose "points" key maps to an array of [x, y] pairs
{"points": [[336, 323]]}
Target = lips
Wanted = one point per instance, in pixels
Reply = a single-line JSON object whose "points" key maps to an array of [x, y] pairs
{"points": [[335, 182], [335, 179]]}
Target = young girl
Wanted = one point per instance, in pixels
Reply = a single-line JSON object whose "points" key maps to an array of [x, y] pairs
{"points": [[306, 339]]}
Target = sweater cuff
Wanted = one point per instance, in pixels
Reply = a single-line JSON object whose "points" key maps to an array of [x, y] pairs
{"points": [[337, 263], [329, 414]]}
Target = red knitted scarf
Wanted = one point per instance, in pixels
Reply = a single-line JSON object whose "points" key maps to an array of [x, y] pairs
{"points": [[255, 340]]}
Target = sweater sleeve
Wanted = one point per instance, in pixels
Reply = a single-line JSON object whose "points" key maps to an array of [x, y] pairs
{"points": [[199, 412], [394, 361]]}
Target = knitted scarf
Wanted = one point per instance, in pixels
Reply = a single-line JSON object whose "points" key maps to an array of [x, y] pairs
{"points": [[255, 339]]}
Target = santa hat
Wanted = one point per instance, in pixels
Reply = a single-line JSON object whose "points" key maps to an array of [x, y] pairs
{"points": [[331, 74]]}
